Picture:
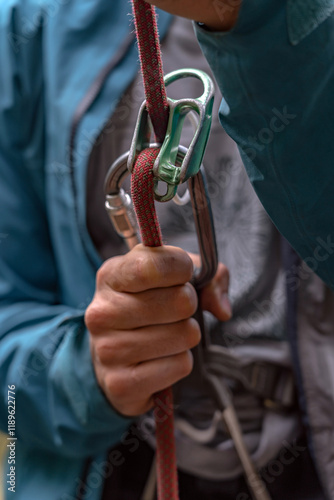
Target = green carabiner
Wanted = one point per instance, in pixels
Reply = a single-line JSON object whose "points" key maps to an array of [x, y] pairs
{"points": [[165, 167]]}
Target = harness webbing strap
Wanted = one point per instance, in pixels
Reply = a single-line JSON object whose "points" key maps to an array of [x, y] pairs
{"points": [[143, 200]]}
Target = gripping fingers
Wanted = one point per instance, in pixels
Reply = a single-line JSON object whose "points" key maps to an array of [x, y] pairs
{"points": [[131, 390], [214, 297], [133, 365], [140, 325], [125, 311], [129, 348], [146, 268]]}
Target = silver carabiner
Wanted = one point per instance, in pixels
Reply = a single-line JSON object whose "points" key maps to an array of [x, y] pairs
{"points": [[118, 203], [120, 210]]}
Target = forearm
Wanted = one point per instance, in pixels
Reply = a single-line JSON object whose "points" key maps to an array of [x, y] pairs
{"points": [[219, 15], [59, 406]]}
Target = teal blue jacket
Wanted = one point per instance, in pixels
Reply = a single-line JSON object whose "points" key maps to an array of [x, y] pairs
{"points": [[50, 54], [276, 72], [275, 69]]}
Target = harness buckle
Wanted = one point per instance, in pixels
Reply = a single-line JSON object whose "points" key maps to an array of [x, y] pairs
{"points": [[165, 166]]}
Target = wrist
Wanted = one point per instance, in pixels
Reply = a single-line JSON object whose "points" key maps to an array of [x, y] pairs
{"points": [[216, 15], [222, 15]]}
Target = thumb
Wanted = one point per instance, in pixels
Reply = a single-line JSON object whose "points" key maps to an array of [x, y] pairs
{"points": [[214, 296]]}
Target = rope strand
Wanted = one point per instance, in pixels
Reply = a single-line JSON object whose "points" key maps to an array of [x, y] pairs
{"points": [[151, 66], [143, 201]]}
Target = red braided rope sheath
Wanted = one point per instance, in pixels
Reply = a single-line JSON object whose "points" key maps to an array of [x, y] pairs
{"points": [[143, 201], [151, 66], [142, 185]]}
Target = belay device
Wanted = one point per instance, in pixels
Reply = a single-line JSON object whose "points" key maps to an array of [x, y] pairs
{"points": [[149, 163]]}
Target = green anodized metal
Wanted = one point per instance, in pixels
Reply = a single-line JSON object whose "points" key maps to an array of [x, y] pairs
{"points": [[166, 167]]}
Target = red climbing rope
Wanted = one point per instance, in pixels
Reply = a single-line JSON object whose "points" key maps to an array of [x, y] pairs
{"points": [[143, 201], [151, 66], [142, 184]]}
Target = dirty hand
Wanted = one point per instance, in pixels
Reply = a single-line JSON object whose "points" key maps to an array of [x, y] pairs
{"points": [[141, 326], [217, 15]]}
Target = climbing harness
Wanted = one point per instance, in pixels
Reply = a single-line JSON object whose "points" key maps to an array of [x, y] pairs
{"points": [[156, 157]]}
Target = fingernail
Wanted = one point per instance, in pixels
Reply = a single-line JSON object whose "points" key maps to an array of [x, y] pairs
{"points": [[226, 305]]}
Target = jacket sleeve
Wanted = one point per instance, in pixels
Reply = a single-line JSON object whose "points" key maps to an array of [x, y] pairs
{"points": [[275, 70], [44, 347]]}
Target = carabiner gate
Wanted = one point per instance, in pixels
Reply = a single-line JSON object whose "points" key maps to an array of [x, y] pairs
{"points": [[119, 207]]}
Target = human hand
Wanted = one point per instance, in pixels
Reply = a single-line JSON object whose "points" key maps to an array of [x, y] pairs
{"points": [[141, 326], [219, 15]]}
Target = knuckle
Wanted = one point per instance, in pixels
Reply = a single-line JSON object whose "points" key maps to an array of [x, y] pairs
{"points": [[118, 387], [105, 351], [188, 301], [193, 333], [139, 267], [92, 317], [102, 273], [119, 280], [166, 263], [115, 349], [136, 380], [154, 266], [146, 265], [123, 392], [179, 261], [169, 261], [186, 364], [113, 274], [188, 267], [100, 317], [142, 267]]}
